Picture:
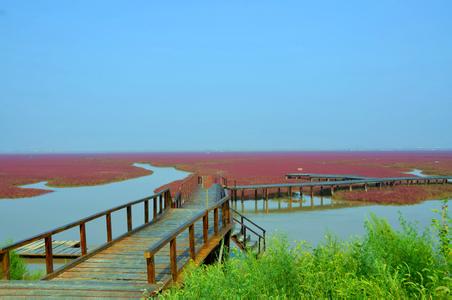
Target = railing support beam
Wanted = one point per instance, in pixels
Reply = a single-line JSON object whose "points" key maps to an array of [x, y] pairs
{"points": [[191, 237], [83, 247], [215, 221], [49, 254], [129, 218], [173, 259], [150, 266], [146, 212], [205, 227], [109, 232], [5, 264]]}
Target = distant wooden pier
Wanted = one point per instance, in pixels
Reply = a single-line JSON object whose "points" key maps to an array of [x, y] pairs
{"points": [[327, 183]]}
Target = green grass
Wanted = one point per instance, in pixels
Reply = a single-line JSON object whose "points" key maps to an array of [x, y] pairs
{"points": [[384, 264], [18, 268]]}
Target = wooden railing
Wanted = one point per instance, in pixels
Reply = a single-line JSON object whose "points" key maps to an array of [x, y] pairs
{"points": [[248, 226], [161, 202], [186, 190], [223, 204]]}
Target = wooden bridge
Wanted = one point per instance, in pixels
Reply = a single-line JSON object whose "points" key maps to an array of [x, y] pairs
{"points": [[326, 182], [143, 260]]}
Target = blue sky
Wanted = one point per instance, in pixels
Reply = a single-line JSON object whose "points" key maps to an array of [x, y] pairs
{"points": [[94, 76]]}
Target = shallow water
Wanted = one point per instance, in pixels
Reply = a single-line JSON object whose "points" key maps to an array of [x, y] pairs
{"points": [[416, 172], [24, 217], [311, 221]]}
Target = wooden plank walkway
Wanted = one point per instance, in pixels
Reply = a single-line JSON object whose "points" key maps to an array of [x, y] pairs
{"points": [[407, 179], [329, 182], [120, 270], [60, 249]]}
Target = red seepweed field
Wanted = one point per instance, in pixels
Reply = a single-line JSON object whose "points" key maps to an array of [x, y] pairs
{"points": [[242, 167]]}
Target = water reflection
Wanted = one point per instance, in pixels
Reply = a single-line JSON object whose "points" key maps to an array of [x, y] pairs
{"points": [[286, 205], [310, 219]]}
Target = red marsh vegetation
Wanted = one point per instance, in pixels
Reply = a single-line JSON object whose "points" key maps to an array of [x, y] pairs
{"points": [[61, 171], [245, 168], [397, 194]]}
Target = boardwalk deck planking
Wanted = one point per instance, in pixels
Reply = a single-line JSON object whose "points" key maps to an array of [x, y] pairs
{"points": [[119, 270]]}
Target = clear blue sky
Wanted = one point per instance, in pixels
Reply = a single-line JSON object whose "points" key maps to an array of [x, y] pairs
{"points": [[81, 76]]}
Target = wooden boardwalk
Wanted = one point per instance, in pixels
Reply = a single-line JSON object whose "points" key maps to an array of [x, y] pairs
{"points": [[139, 263], [60, 249], [331, 183]]}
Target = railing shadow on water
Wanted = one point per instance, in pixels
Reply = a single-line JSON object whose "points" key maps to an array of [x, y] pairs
{"points": [[161, 202]]}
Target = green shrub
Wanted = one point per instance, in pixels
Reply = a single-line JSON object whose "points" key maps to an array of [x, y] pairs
{"points": [[384, 264], [18, 268]]}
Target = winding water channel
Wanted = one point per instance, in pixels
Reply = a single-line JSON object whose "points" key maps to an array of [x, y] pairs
{"points": [[24, 217], [307, 219]]}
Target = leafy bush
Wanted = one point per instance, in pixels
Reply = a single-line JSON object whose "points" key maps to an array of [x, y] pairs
{"points": [[18, 268], [384, 264]]}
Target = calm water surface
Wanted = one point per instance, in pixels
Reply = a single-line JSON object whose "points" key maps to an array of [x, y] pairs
{"points": [[311, 219], [24, 217]]}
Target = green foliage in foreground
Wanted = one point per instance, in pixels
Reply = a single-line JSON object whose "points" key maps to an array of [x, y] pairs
{"points": [[385, 264], [18, 268]]}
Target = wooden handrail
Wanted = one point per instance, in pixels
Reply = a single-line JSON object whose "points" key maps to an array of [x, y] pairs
{"points": [[171, 238], [242, 216], [81, 223], [76, 223], [167, 238], [244, 227], [250, 229]]}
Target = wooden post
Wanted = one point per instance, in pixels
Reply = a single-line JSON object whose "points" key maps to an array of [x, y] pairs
{"points": [[255, 194], [228, 213], [312, 191], [83, 247], [173, 259], [215, 220], [191, 237], [301, 192], [150, 266], [279, 192], [160, 204], [321, 190], [146, 211], [49, 255], [129, 218], [205, 227], [169, 199], [224, 214], [242, 195], [154, 204], [266, 195], [108, 221], [5, 264], [227, 240], [290, 193]]}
